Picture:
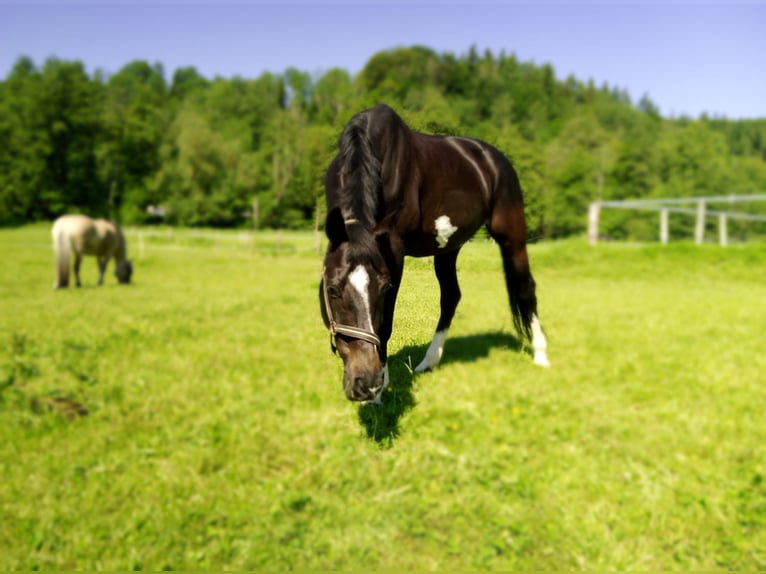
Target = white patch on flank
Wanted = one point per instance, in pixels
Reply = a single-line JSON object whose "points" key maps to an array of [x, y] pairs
{"points": [[444, 230], [434, 352], [539, 344], [359, 279]]}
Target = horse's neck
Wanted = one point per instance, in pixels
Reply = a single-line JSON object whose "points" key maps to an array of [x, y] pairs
{"points": [[120, 253]]}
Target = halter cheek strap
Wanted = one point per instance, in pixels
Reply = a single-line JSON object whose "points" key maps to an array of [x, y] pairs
{"points": [[339, 328]]}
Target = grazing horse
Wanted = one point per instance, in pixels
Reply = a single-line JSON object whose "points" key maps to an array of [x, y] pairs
{"points": [[85, 236], [391, 192]]}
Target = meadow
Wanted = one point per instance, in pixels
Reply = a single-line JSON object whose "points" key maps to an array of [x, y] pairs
{"points": [[195, 419]]}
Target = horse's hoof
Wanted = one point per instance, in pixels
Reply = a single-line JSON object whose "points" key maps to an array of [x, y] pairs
{"points": [[424, 367]]}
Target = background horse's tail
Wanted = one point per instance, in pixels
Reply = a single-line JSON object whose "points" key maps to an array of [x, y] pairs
{"points": [[360, 194], [61, 249]]}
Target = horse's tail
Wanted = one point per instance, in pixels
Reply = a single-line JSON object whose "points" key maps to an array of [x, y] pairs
{"points": [[523, 305], [508, 229], [360, 171], [61, 249]]}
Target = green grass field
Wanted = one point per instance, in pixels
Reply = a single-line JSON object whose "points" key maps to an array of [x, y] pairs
{"points": [[196, 420]]}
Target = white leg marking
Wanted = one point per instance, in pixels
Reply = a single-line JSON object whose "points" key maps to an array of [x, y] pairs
{"points": [[444, 230], [434, 352], [539, 344], [360, 280]]}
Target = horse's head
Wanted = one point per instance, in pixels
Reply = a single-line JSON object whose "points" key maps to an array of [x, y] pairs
{"points": [[352, 295], [123, 271]]}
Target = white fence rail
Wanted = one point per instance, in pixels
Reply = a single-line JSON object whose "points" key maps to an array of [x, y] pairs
{"points": [[676, 205]]}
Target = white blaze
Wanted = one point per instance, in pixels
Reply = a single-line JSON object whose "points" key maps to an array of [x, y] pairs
{"points": [[444, 230], [359, 279]]}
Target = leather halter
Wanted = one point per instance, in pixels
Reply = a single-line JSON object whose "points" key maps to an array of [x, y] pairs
{"points": [[339, 328]]}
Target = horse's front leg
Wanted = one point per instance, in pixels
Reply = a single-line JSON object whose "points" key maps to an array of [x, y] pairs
{"points": [[77, 262], [445, 266], [385, 330], [392, 250], [102, 263]]}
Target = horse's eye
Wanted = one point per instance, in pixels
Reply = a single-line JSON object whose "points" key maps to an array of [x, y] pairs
{"points": [[333, 291]]}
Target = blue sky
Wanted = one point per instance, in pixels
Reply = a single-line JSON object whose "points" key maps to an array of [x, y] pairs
{"points": [[688, 57]]}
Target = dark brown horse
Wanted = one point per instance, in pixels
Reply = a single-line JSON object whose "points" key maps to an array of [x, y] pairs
{"points": [[393, 192]]}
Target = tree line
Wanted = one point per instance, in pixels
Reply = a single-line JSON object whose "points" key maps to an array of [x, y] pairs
{"points": [[232, 152]]}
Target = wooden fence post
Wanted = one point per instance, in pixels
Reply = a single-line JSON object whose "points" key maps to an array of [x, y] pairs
{"points": [[663, 225], [594, 211], [699, 229], [723, 231]]}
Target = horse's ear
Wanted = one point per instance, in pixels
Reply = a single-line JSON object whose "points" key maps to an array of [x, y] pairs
{"points": [[335, 227]]}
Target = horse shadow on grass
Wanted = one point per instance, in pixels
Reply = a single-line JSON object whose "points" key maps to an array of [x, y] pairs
{"points": [[381, 422]]}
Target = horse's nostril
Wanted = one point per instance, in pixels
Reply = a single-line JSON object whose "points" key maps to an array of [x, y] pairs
{"points": [[361, 389]]}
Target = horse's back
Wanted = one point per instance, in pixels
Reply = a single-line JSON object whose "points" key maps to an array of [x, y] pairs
{"points": [[87, 236], [73, 224]]}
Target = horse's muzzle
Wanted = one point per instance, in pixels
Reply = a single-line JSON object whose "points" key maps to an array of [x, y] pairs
{"points": [[362, 386]]}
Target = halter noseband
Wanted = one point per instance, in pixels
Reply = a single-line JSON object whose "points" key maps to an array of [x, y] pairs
{"points": [[339, 328]]}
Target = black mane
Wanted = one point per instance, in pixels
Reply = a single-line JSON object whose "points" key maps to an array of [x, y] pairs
{"points": [[360, 195]]}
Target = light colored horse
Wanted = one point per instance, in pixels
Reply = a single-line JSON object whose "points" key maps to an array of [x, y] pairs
{"points": [[85, 236]]}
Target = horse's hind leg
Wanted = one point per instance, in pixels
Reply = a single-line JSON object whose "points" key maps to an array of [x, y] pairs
{"points": [[445, 266], [521, 293]]}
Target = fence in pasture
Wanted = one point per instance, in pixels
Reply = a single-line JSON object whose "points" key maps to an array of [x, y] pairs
{"points": [[265, 242], [697, 206]]}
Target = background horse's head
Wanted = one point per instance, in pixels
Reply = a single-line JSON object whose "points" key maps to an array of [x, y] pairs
{"points": [[123, 270], [354, 283]]}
